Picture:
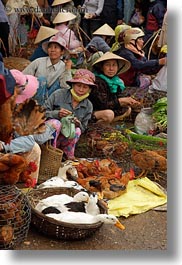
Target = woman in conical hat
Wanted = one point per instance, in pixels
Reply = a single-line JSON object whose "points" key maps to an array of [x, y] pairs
{"points": [[67, 5], [107, 99], [43, 35], [98, 45], [61, 23], [101, 38]]}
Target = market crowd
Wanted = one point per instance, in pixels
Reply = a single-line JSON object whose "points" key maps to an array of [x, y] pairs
{"points": [[91, 59]]}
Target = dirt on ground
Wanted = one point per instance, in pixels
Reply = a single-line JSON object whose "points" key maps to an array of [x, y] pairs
{"points": [[146, 231]]}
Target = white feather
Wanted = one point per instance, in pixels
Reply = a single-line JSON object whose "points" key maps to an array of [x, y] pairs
{"points": [[59, 200], [91, 207], [59, 182], [83, 218]]}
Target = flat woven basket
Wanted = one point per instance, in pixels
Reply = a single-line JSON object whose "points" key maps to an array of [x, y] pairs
{"points": [[16, 63], [57, 229], [50, 162]]}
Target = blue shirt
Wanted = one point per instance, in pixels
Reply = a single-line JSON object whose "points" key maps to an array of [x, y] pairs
{"points": [[3, 16], [62, 98]]}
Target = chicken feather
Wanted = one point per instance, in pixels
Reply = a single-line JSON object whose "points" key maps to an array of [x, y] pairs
{"points": [[29, 118], [149, 161]]}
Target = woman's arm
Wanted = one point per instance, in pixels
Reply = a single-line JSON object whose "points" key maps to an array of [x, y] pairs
{"points": [[20, 144]]}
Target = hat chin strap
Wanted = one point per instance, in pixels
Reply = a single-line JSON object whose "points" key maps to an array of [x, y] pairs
{"points": [[79, 98]]}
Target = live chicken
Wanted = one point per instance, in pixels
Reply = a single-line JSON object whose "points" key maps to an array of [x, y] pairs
{"points": [[149, 161]]}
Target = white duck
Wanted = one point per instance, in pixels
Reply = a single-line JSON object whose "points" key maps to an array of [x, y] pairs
{"points": [[62, 172], [84, 218], [91, 207], [59, 182], [59, 200]]}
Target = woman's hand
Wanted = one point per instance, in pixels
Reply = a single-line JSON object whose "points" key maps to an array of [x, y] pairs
{"points": [[64, 112], [163, 61], [68, 64], [128, 101], [77, 122]]}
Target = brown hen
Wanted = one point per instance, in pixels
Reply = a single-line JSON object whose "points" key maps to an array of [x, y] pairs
{"points": [[149, 161], [14, 168]]}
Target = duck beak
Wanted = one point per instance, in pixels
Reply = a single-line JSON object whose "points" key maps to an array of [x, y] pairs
{"points": [[119, 225]]}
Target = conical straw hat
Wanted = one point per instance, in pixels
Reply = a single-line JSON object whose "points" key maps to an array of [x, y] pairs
{"points": [[63, 17], [44, 33], [105, 30], [60, 2], [124, 64]]}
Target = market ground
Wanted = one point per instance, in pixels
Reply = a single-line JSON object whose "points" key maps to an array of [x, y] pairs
{"points": [[146, 231]]}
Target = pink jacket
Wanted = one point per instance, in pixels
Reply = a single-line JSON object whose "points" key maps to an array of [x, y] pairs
{"points": [[69, 36]]}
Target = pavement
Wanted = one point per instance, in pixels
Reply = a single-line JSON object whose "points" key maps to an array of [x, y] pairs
{"points": [[146, 231]]}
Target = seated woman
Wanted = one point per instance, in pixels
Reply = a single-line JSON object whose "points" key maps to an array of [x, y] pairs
{"points": [[63, 102], [107, 98], [61, 22], [67, 5], [52, 72], [119, 32], [43, 35], [138, 75], [98, 45]]}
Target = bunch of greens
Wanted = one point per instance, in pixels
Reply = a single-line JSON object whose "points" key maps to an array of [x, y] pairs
{"points": [[160, 114]]}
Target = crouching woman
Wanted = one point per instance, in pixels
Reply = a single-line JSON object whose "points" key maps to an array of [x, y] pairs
{"points": [[64, 102]]}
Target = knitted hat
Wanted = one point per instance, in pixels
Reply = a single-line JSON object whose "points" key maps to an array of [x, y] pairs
{"points": [[44, 33], [29, 84], [83, 76], [124, 64]]}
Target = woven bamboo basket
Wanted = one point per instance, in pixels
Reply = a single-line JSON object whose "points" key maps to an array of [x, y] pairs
{"points": [[16, 63], [50, 162], [57, 229]]}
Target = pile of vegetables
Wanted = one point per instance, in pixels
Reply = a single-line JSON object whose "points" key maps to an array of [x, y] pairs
{"points": [[160, 114]]}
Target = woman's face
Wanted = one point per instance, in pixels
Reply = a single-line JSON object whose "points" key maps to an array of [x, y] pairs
{"points": [[139, 43], [80, 89], [55, 51], [110, 67]]}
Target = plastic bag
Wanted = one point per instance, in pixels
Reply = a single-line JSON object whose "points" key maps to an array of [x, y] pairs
{"points": [[160, 81], [68, 126], [144, 123], [137, 19], [141, 196]]}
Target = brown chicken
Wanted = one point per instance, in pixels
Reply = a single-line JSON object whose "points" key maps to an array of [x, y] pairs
{"points": [[14, 168], [6, 116], [97, 167], [102, 176], [26, 118], [149, 161], [29, 118]]}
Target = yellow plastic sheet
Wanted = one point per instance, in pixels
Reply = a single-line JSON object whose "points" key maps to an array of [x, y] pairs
{"points": [[141, 196]]}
